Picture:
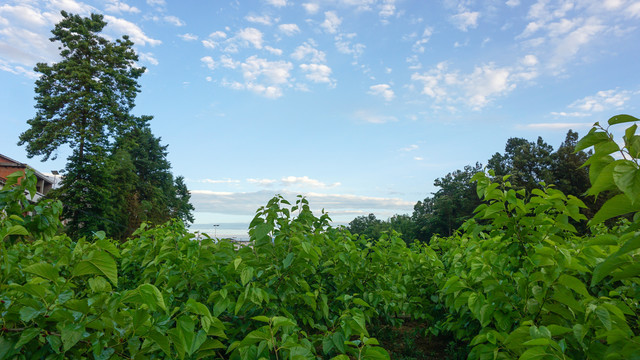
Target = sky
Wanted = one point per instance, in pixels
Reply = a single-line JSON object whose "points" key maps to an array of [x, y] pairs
{"points": [[357, 104]]}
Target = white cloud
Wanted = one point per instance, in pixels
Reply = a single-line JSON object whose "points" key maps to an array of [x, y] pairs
{"points": [[344, 45], [275, 72], [556, 126], [263, 77], [465, 20], [331, 22], [513, 3], [308, 51], [227, 62], [188, 37], [306, 182], [273, 50], [216, 181], [603, 100], [277, 3], [418, 158], [208, 60], [289, 29], [264, 19], [567, 47], [319, 73], [173, 20], [311, 8], [214, 39], [383, 90], [26, 47], [218, 35], [409, 148], [71, 6], [387, 8], [530, 60], [262, 182], [209, 44], [476, 89], [633, 10], [246, 203], [570, 114], [156, 2], [148, 57], [17, 70], [136, 34], [372, 118], [24, 15], [120, 7], [252, 36]]}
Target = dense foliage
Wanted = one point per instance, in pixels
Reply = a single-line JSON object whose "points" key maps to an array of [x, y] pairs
{"points": [[516, 282], [85, 101], [528, 163]]}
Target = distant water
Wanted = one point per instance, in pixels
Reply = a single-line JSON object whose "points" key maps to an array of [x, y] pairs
{"points": [[224, 233]]}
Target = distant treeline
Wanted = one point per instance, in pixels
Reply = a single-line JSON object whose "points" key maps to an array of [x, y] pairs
{"points": [[529, 164]]}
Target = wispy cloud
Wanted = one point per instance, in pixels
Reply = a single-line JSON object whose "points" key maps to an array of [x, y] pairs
{"points": [[216, 181], [277, 3], [289, 29], [136, 34], [374, 118], [465, 20], [603, 100], [259, 19], [120, 7], [556, 126], [188, 37], [308, 51], [409, 148], [569, 114], [245, 203], [311, 8], [331, 22], [383, 90]]}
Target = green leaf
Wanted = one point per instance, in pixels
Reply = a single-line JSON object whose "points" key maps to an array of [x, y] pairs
{"points": [[26, 336], [17, 230], [574, 284], [626, 176], [151, 296], [108, 246], [197, 341], [27, 313], [246, 275], [100, 263], [340, 357], [604, 316], [279, 321], [604, 180], [592, 138], [44, 270], [533, 353], [376, 353], [616, 206], [360, 302], [338, 340], [261, 318], [288, 260], [71, 334], [623, 118]]}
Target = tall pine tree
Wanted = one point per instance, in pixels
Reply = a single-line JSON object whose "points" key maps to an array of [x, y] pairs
{"points": [[85, 101]]}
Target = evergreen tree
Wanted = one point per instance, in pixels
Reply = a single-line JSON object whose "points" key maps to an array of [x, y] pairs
{"points": [[143, 173], [84, 101]]}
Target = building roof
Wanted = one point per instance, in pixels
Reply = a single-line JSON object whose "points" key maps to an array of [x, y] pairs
{"points": [[6, 161]]}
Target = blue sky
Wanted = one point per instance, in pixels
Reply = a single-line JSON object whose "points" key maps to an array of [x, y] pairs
{"points": [[358, 104]]}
